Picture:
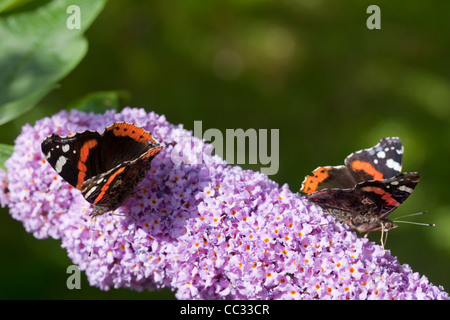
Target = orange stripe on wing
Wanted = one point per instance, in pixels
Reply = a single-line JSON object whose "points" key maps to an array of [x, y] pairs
{"points": [[108, 182], [311, 183], [152, 152], [84, 154], [367, 168], [384, 195], [122, 129]]}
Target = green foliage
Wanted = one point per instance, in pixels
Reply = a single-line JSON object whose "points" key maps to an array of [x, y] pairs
{"points": [[99, 102], [6, 5], [38, 50], [5, 152]]}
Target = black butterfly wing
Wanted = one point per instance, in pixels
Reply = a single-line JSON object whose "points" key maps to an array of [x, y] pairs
{"points": [[379, 162], [122, 142], [105, 167], [126, 151], [328, 177], [343, 202], [111, 188], [374, 197], [388, 194], [75, 158], [382, 161]]}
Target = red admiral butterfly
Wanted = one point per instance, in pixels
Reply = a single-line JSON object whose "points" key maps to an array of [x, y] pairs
{"points": [[366, 189], [104, 167]]}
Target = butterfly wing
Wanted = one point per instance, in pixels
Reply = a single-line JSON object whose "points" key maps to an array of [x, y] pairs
{"points": [[129, 142], [328, 177], [382, 161], [111, 188], [388, 194], [374, 197], [104, 167], [343, 202], [75, 158]]}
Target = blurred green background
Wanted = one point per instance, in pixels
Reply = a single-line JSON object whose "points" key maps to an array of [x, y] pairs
{"points": [[310, 68]]}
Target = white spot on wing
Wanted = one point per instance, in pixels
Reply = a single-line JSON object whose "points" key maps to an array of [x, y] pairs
{"points": [[60, 164], [90, 192], [65, 148], [405, 188], [394, 165], [381, 154]]}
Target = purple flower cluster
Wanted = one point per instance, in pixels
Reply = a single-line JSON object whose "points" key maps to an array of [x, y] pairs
{"points": [[203, 228]]}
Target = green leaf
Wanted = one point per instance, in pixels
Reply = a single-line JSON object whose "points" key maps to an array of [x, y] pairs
{"points": [[11, 110], [11, 4], [5, 152], [101, 101], [38, 49]]}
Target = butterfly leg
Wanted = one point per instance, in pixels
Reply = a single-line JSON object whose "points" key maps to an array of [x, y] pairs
{"points": [[383, 242], [124, 215], [91, 234]]}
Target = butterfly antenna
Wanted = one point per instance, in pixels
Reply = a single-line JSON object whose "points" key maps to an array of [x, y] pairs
{"points": [[417, 223], [412, 215], [412, 222], [58, 211]]}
